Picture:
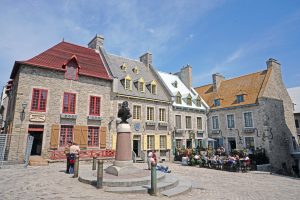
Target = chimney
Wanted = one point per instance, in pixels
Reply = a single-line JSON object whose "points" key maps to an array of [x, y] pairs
{"points": [[146, 59], [217, 79], [185, 76], [273, 63], [96, 42]]}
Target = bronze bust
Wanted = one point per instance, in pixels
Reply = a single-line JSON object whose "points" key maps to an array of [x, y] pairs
{"points": [[124, 112]]}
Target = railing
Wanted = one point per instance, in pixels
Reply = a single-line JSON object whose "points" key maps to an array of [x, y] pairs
{"points": [[103, 153]]}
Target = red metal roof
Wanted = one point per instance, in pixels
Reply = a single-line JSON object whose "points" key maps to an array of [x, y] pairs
{"points": [[89, 61]]}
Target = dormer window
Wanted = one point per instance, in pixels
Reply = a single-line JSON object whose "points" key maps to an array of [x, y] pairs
{"points": [[198, 101], [123, 67], [189, 100], [217, 102], [71, 67], [240, 98], [141, 85], [135, 70], [127, 83], [178, 98], [153, 87], [175, 84]]}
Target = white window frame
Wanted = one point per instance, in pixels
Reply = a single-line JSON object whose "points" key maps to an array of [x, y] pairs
{"points": [[212, 122], [191, 127], [249, 137], [165, 116], [148, 143], [201, 123], [165, 142], [140, 111], [233, 120], [147, 113], [244, 121], [180, 121]]}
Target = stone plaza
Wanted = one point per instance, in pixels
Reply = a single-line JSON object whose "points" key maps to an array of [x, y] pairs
{"points": [[51, 182]]}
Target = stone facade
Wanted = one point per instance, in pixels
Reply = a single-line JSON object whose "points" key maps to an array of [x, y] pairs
{"points": [[272, 126]]}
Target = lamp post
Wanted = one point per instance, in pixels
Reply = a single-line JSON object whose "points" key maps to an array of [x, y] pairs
{"points": [[22, 117]]}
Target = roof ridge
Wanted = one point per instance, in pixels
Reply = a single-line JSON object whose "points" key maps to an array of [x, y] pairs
{"points": [[244, 75], [124, 57]]}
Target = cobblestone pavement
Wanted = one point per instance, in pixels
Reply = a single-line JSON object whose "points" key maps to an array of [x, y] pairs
{"points": [[52, 183]]}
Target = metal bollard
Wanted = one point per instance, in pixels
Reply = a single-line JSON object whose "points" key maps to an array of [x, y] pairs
{"points": [[153, 190], [100, 174], [94, 163], [76, 167]]}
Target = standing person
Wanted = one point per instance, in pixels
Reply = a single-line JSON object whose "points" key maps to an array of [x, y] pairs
{"points": [[149, 159], [154, 156], [67, 153], [74, 151]]}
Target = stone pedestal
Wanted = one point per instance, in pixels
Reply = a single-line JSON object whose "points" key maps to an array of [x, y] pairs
{"points": [[123, 163]]}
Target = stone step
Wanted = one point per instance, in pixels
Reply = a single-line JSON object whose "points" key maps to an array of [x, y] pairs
{"points": [[134, 189], [37, 161], [167, 183], [88, 178], [183, 187]]}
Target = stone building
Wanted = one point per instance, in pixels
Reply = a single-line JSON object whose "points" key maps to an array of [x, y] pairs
{"points": [[253, 111], [188, 109], [295, 95], [137, 82], [60, 95]]}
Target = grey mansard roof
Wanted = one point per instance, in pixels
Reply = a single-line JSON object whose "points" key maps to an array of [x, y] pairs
{"points": [[114, 63]]}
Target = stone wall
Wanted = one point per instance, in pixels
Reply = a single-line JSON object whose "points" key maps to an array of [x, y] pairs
{"points": [[54, 81]]}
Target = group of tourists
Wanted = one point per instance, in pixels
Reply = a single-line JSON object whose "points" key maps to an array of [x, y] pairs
{"points": [[71, 151], [152, 159]]}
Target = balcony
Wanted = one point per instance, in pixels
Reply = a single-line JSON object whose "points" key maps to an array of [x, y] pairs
{"points": [[96, 118], [163, 123], [249, 130], [216, 131], [150, 123]]}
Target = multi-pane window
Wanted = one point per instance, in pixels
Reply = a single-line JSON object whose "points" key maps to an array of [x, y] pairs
{"points": [[69, 103], [248, 119], [178, 121], [178, 99], [217, 102], [162, 115], [66, 134], [153, 88], [163, 141], [188, 122], [240, 98], [198, 102], [39, 100], [215, 122], [150, 141], [189, 101], [141, 86], [95, 105], [150, 113], [93, 136], [178, 143], [199, 123], [249, 143], [136, 112], [230, 121], [127, 84]]}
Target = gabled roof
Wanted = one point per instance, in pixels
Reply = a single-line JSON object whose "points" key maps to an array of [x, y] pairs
{"points": [[251, 85], [295, 96], [54, 58], [169, 79]]}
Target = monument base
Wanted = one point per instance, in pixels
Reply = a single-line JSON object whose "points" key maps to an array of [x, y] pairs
{"points": [[120, 168]]}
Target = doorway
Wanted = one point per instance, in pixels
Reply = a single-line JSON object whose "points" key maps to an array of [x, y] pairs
{"points": [[37, 143], [189, 143], [137, 145], [36, 131], [231, 144]]}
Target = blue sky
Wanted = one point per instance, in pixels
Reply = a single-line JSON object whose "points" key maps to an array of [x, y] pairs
{"points": [[233, 37]]}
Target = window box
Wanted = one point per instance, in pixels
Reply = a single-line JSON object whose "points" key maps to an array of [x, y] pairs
{"points": [[92, 117], [248, 130], [150, 123], [215, 131], [163, 123], [179, 130], [68, 116]]}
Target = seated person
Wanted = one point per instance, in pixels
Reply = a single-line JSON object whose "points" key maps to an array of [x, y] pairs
{"points": [[163, 168]]}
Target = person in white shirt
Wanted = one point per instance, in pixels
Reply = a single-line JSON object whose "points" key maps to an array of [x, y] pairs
{"points": [[150, 154]]}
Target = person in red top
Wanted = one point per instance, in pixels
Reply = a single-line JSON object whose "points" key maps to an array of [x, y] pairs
{"points": [[154, 156]]}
